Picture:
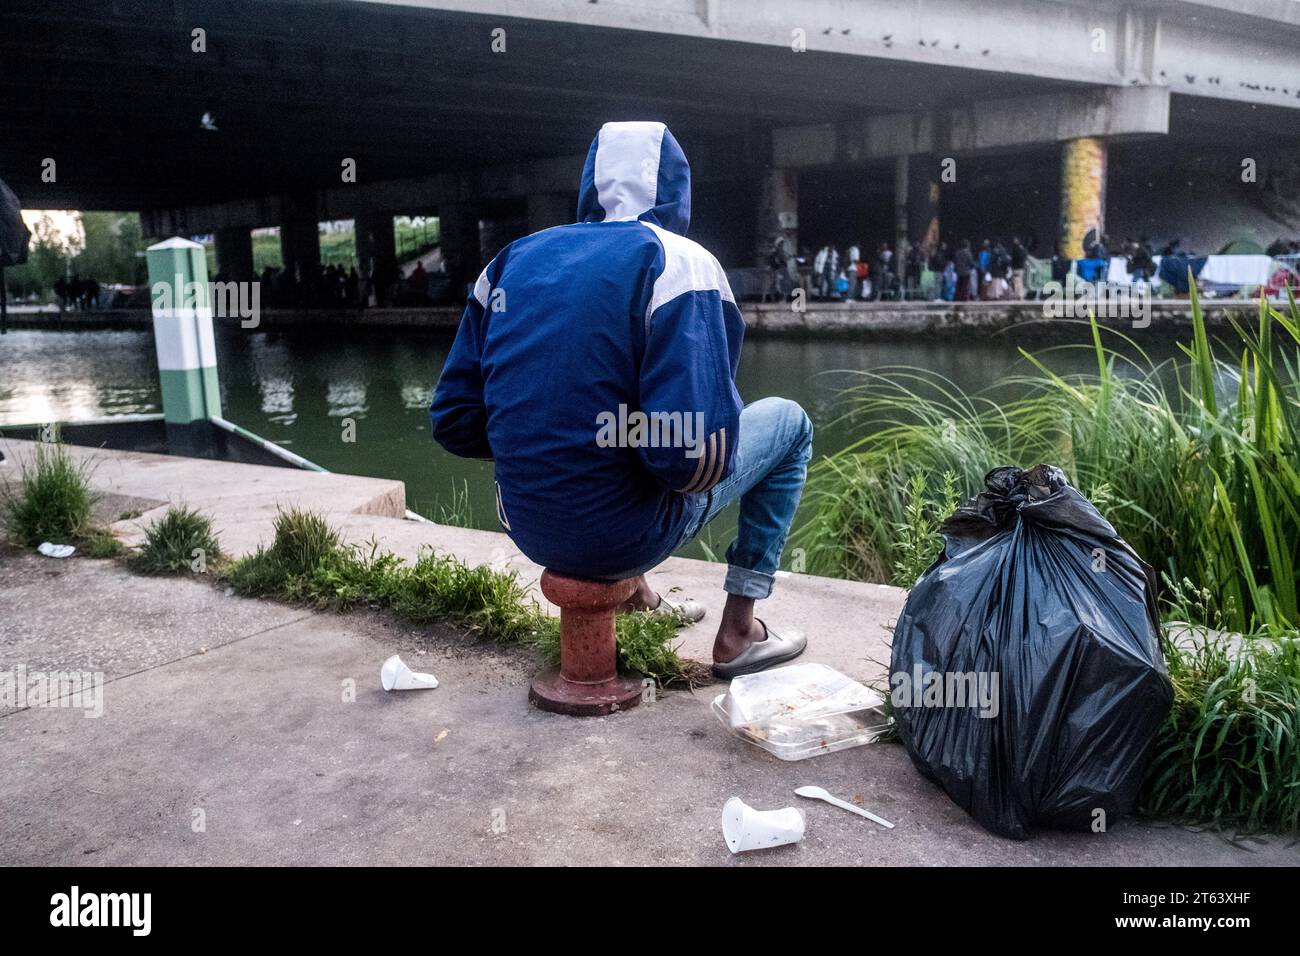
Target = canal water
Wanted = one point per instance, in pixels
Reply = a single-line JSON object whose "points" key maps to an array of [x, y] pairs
{"points": [[301, 388]]}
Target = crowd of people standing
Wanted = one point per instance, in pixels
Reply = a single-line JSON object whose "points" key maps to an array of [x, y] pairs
{"points": [[76, 293], [385, 285], [955, 272], [960, 270]]}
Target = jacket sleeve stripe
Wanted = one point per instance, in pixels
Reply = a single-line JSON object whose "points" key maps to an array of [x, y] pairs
{"points": [[712, 464], [722, 459], [704, 466], [717, 461], [482, 288]]}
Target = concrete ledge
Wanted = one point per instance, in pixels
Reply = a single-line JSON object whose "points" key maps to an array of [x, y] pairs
{"points": [[230, 492], [862, 320], [848, 622], [874, 320]]}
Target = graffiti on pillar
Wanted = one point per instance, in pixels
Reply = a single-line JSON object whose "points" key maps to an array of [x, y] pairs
{"points": [[1083, 195]]}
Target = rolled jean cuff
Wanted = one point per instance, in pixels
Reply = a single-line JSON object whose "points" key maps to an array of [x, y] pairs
{"points": [[746, 583]]}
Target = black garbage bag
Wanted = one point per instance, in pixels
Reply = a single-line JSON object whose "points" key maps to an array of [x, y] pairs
{"points": [[1027, 676]]}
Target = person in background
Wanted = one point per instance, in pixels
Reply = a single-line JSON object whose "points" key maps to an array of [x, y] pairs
{"points": [[1060, 266], [912, 273], [824, 271], [884, 271], [963, 261], [832, 269], [1141, 264], [863, 280], [940, 257], [778, 261], [949, 281], [999, 269], [1019, 259]]}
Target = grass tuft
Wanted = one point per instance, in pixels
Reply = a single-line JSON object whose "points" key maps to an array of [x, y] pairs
{"points": [[1229, 753], [51, 501], [178, 541], [307, 564], [303, 539], [101, 544], [918, 538]]}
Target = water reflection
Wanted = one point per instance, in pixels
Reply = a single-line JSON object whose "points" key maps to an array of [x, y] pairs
{"points": [[294, 388]]}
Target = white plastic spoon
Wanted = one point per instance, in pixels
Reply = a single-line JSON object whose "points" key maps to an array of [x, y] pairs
{"points": [[817, 793]]}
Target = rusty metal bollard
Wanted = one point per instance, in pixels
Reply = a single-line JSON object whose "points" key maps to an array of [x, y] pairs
{"points": [[587, 682]]}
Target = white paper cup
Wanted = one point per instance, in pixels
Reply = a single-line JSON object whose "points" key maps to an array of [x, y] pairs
{"points": [[395, 675], [745, 828]]}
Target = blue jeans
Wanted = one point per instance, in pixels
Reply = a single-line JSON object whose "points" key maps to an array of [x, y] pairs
{"points": [[767, 478]]}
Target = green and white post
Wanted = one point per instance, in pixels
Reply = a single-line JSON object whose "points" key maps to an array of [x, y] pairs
{"points": [[187, 354]]}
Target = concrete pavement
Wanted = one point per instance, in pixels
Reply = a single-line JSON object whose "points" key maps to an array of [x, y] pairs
{"points": [[228, 737], [237, 731]]}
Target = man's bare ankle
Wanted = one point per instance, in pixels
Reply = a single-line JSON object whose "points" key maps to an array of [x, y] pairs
{"points": [[644, 598], [733, 637]]}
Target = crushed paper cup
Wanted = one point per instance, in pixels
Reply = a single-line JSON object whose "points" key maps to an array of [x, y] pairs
{"points": [[56, 550], [745, 828], [395, 675]]}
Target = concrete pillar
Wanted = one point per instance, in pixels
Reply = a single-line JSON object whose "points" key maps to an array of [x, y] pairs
{"points": [[550, 209], [923, 203], [778, 212], [901, 171], [187, 354], [458, 228], [235, 253], [1083, 192], [300, 236]]}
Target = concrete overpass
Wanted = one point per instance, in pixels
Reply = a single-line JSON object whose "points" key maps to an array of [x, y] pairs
{"points": [[480, 110]]}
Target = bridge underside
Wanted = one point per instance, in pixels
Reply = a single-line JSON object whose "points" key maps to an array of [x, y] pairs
{"points": [[295, 88], [113, 91]]}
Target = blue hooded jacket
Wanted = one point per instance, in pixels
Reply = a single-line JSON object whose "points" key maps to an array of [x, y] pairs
{"points": [[573, 331]]}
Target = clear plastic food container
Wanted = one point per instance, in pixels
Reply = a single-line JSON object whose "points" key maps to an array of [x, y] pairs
{"points": [[802, 710]]}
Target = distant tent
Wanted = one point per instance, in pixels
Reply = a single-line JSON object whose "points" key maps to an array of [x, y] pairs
{"points": [[1241, 247]]}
